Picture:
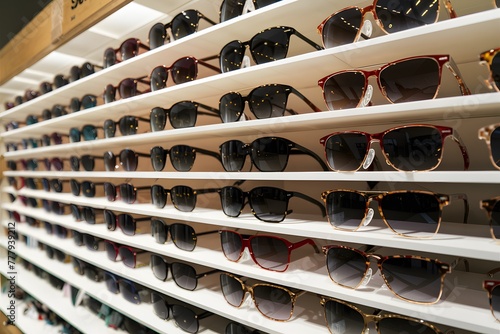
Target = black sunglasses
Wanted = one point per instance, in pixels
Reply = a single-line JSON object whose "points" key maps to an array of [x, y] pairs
{"points": [[86, 213], [128, 49], [86, 188], [129, 160], [268, 204], [125, 191], [181, 156], [127, 125], [91, 272], [128, 224], [87, 161], [182, 235], [268, 45], [29, 164], [55, 138], [126, 88], [265, 101], [57, 230], [182, 25], [131, 291], [183, 197], [268, 154], [229, 9], [182, 114]]}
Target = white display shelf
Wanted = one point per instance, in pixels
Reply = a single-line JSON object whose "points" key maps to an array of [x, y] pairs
{"points": [[29, 325], [80, 317]]}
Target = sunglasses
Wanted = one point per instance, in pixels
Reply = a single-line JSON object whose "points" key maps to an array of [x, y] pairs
{"points": [[126, 88], [491, 134], [128, 49], [92, 243], [492, 58], [405, 148], [268, 204], [54, 253], [29, 201], [265, 101], [132, 292], [55, 207], [54, 163], [54, 138], [182, 235], [405, 80], [269, 252], [86, 213], [128, 224], [85, 102], [184, 275], [409, 213], [268, 154], [29, 164], [181, 156], [266, 46], [91, 272], [127, 125], [129, 160], [183, 197], [125, 191], [492, 207], [183, 70], [229, 9], [182, 114], [87, 161], [272, 301], [237, 328], [54, 229], [184, 317], [86, 188], [356, 321], [130, 257], [182, 25], [493, 289], [348, 24], [412, 278]]}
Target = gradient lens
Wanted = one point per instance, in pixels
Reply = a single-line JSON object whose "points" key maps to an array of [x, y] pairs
{"points": [[346, 151], [402, 15], [269, 204], [232, 200], [185, 318], [342, 28], [183, 236], [345, 209], [232, 245], [346, 267], [129, 160], [183, 198], [341, 318], [270, 253], [344, 90], [270, 45], [273, 302], [270, 154], [233, 154], [157, 36]]}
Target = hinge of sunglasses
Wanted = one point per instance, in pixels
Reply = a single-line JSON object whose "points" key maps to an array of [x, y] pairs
{"points": [[452, 66], [492, 272], [461, 196], [455, 263], [449, 9]]}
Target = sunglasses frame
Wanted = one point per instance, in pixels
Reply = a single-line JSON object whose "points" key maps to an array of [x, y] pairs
{"points": [[135, 221], [443, 267], [113, 89], [443, 130], [167, 153], [138, 263], [167, 228], [488, 205], [484, 133], [486, 57], [441, 60], [138, 43], [367, 318], [370, 196], [167, 113], [109, 156], [164, 191], [489, 285]]}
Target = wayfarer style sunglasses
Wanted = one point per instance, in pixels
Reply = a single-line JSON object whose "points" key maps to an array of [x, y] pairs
{"points": [[412, 278], [491, 134], [405, 80], [265, 101], [128, 49], [268, 154], [409, 213], [349, 25], [128, 224], [416, 147], [124, 191], [183, 197], [268, 204], [355, 321], [182, 25], [182, 235], [272, 301], [126, 88], [129, 160], [266, 46], [131, 257], [131, 291], [269, 252], [183, 70], [492, 59], [493, 289], [229, 9], [182, 157], [492, 207], [182, 114]]}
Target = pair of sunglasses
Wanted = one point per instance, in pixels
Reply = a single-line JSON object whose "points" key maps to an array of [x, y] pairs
{"points": [[405, 80], [265, 101], [229, 9], [268, 154], [127, 125], [128, 224], [183, 197], [268, 252], [54, 229], [55, 207], [406, 148], [268, 204], [409, 213], [29, 164], [127, 50], [184, 275], [91, 272], [90, 241], [266, 46], [131, 257], [492, 207], [491, 135], [131, 291], [272, 301], [492, 287], [184, 317], [492, 59], [356, 321], [126, 88], [87, 101], [75, 73], [86, 188], [85, 213], [412, 278], [348, 25], [182, 235], [54, 253], [124, 191], [87, 161], [181, 114], [182, 25]]}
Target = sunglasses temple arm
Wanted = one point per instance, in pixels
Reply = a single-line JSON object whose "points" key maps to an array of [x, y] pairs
{"points": [[492, 272], [209, 108], [306, 242], [144, 46], [304, 150], [456, 137], [209, 153], [306, 100], [207, 232], [310, 200], [457, 261], [452, 66], [203, 62], [207, 273], [308, 41], [449, 9], [208, 20], [466, 204], [204, 315]]}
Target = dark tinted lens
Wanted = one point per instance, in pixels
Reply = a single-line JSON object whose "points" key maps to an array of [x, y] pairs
{"points": [[110, 220], [45, 87], [75, 187], [109, 161], [110, 191], [159, 231], [129, 49], [185, 318], [127, 88], [232, 201], [129, 160], [270, 253], [91, 242], [77, 238], [269, 204], [74, 135], [88, 188], [185, 23], [411, 80], [127, 224], [60, 80], [109, 58], [109, 94], [270, 154], [158, 119], [352, 321], [342, 28], [89, 101], [346, 151], [268, 101], [159, 77], [232, 245], [58, 111], [109, 127], [128, 256], [74, 73], [159, 267], [46, 114], [413, 148], [232, 290], [86, 69], [412, 214], [74, 104], [129, 292], [233, 154], [88, 214], [111, 250], [269, 45], [346, 266], [158, 196], [76, 212], [89, 132], [111, 283], [402, 15], [183, 115], [495, 220], [495, 302], [184, 70], [183, 198], [183, 236], [413, 279], [128, 125], [182, 157], [184, 276], [128, 193], [345, 209], [344, 90], [389, 325], [31, 119], [158, 158], [74, 162], [495, 64], [495, 144], [273, 302], [231, 9], [231, 107], [160, 306], [157, 35], [88, 162], [231, 56]]}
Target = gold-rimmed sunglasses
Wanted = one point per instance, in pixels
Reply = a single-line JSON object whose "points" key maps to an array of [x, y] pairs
{"points": [[493, 289], [491, 135], [492, 59], [408, 213], [356, 321], [492, 207]]}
